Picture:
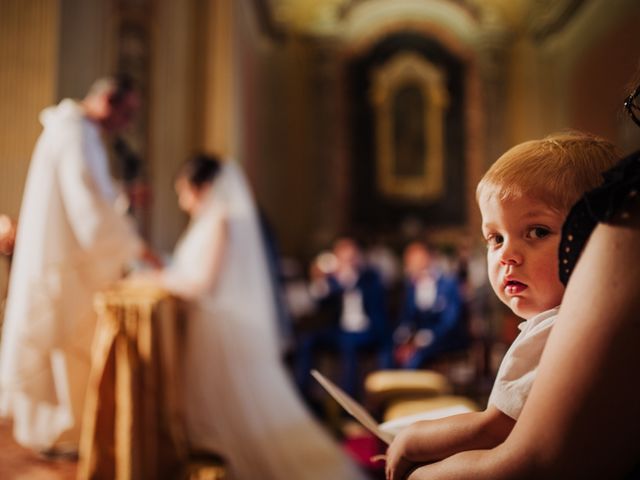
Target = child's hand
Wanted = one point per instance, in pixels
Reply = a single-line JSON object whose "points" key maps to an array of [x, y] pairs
{"points": [[398, 466]]}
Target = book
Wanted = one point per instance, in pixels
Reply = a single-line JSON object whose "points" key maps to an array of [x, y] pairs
{"points": [[388, 430]]}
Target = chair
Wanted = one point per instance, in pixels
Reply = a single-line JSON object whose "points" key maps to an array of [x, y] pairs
{"points": [[406, 396]]}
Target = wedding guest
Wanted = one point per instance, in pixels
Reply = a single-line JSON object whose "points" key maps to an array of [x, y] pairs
{"points": [[592, 353], [431, 312], [354, 294], [524, 199]]}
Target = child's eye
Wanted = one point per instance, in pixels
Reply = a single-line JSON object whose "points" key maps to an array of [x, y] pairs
{"points": [[494, 240], [538, 232]]}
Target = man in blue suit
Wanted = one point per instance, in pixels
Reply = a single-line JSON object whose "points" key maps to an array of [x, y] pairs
{"points": [[430, 320], [356, 296]]}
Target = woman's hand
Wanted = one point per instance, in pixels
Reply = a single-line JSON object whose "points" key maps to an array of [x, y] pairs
{"points": [[145, 279], [152, 258]]}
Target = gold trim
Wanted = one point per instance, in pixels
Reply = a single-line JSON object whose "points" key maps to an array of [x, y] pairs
{"points": [[407, 69]]}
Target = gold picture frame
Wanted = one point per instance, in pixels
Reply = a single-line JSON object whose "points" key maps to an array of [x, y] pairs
{"points": [[410, 100]]}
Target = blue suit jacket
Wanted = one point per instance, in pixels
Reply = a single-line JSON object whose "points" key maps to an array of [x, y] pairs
{"points": [[373, 293], [442, 318]]}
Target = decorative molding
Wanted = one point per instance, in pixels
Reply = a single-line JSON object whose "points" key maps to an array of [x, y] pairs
{"points": [[551, 16], [410, 99], [349, 5], [374, 20]]}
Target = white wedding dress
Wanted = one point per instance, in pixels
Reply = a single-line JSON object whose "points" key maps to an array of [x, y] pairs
{"points": [[239, 400]]}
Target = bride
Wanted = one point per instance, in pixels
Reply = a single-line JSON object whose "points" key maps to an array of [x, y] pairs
{"points": [[239, 401]]}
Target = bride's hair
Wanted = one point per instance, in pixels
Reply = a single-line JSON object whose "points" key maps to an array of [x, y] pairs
{"points": [[200, 169]]}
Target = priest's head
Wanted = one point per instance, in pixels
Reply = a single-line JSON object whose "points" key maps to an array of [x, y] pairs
{"points": [[112, 102]]}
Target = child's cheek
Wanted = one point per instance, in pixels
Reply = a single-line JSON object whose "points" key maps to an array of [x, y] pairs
{"points": [[494, 279]]}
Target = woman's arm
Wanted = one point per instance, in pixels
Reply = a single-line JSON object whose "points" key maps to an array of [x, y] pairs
{"points": [[582, 418], [199, 261], [432, 440]]}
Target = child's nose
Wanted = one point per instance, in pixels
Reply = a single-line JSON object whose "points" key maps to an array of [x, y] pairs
{"points": [[511, 255]]}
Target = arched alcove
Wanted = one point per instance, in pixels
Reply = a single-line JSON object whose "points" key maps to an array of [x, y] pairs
{"points": [[440, 38]]}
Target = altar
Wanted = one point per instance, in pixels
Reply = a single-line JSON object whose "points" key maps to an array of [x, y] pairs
{"points": [[132, 425]]}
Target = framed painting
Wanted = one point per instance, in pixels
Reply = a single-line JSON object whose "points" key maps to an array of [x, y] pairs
{"points": [[409, 100]]}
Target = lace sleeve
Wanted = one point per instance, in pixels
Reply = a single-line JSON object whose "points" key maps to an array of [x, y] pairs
{"points": [[614, 199]]}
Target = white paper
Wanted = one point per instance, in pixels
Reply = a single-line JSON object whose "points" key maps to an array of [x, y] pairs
{"points": [[387, 430], [352, 407]]}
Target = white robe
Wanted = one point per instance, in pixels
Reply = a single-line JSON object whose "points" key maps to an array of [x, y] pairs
{"points": [[70, 243], [239, 400]]}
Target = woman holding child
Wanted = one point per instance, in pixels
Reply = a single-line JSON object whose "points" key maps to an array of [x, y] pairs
{"points": [[524, 199]]}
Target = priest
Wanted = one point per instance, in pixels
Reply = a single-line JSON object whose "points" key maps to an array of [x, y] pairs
{"points": [[72, 241]]}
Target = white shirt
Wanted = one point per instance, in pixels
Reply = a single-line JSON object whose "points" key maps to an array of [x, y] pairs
{"points": [[519, 365]]}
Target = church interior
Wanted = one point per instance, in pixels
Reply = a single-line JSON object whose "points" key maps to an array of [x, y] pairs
{"points": [[371, 120]]}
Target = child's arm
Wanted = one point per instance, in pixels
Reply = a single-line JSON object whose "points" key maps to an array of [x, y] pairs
{"points": [[432, 440]]}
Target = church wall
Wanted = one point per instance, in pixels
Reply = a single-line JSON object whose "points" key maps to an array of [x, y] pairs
{"points": [[576, 77], [328, 156], [215, 122], [172, 129], [28, 83], [86, 45], [307, 128], [276, 125], [220, 81], [49, 50], [602, 79]]}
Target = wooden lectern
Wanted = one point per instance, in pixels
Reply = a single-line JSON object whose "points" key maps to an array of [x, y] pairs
{"points": [[132, 426]]}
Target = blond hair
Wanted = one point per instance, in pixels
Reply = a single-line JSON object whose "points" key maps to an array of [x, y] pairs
{"points": [[556, 170]]}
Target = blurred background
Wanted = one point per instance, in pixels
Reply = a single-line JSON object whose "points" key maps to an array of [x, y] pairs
{"points": [[366, 120], [372, 119], [310, 96]]}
